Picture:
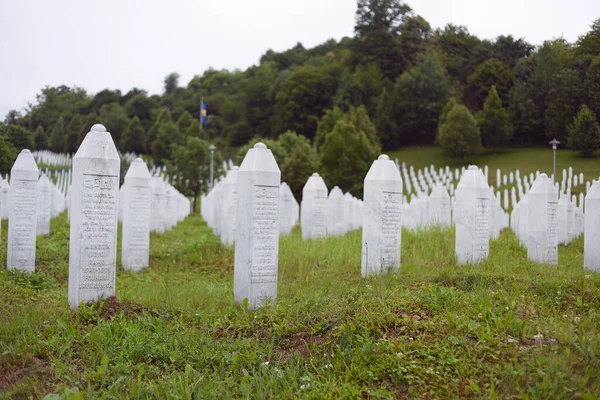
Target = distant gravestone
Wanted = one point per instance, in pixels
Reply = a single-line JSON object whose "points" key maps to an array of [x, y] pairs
{"points": [[137, 206], [592, 228], [4, 198], [257, 228], [472, 217], [314, 208], [22, 218], [335, 212], [157, 220], [286, 209], [543, 221], [95, 203], [563, 218], [439, 207], [44, 203], [229, 209], [382, 210]]}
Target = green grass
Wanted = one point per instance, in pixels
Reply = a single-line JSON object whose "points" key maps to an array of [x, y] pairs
{"points": [[527, 160], [506, 328]]}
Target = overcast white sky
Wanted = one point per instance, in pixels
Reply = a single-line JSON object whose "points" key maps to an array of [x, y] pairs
{"points": [[120, 44]]}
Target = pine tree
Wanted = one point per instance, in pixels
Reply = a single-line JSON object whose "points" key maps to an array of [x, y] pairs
{"points": [[459, 135], [134, 137], [494, 122], [184, 121], [163, 117], [194, 130], [40, 139], [584, 133], [57, 138], [20, 137], [72, 137], [90, 121], [385, 122], [161, 146]]}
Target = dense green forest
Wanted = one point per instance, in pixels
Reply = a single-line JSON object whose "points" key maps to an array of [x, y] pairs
{"points": [[397, 82]]}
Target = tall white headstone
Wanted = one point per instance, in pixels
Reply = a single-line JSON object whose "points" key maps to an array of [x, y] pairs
{"points": [[286, 209], [4, 198], [95, 206], [22, 217], [229, 208], [439, 207], [382, 210], [472, 217], [44, 202], [137, 206], [335, 212], [543, 221], [591, 245], [257, 228], [157, 220], [313, 211]]}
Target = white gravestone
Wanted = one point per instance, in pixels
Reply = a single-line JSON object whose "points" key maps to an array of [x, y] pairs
{"points": [[95, 203], [137, 205], [335, 212], [563, 218], [157, 220], [229, 207], [543, 221], [44, 202], [382, 210], [286, 209], [22, 217], [472, 217], [591, 245], [4, 199], [257, 228], [439, 207], [313, 219]]}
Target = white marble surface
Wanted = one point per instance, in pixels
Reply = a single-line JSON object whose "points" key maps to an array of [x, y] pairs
{"points": [[591, 242], [257, 228], [472, 217], [157, 221], [22, 218], [229, 208], [336, 213], [137, 207], [286, 209], [543, 221], [382, 212], [439, 207], [44, 205], [95, 205], [4, 198]]}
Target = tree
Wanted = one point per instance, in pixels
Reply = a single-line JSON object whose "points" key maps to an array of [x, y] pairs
{"points": [[300, 161], [592, 85], [510, 51], [40, 139], [164, 116], [171, 83], [326, 124], [57, 138], [419, 96], [346, 157], [184, 121], [72, 137], [494, 122], [191, 164], [446, 110], [194, 130], [384, 121], [377, 27], [590, 42], [489, 73], [459, 135], [20, 137], [8, 155], [167, 135], [134, 138], [90, 121], [114, 118], [584, 133]]}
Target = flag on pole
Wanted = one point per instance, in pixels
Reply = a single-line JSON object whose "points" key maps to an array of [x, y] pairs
{"points": [[202, 113]]}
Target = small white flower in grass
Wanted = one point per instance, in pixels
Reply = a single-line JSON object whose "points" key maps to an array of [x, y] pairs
{"points": [[328, 366], [480, 315], [505, 308], [539, 336], [588, 276], [265, 363], [369, 287], [400, 354], [577, 319]]}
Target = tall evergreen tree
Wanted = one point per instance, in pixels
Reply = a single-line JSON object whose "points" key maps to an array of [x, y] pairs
{"points": [[73, 130], [184, 121], [167, 135], [57, 138], [494, 122], [584, 133], [20, 137], [40, 139], [459, 135], [387, 128], [163, 117], [134, 138]]}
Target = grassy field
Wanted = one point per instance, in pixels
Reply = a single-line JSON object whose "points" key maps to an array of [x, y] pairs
{"points": [[525, 159], [507, 328]]}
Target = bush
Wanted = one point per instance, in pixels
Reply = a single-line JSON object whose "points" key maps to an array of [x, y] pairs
{"points": [[584, 133], [459, 135]]}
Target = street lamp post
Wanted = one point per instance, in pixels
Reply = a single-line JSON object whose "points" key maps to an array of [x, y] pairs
{"points": [[554, 143], [212, 149]]}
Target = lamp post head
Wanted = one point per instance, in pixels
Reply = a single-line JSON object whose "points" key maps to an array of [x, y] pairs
{"points": [[554, 142], [212, 148]]}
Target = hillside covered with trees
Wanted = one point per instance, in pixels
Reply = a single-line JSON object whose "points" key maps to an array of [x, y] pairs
{"points": [[397, 82]]}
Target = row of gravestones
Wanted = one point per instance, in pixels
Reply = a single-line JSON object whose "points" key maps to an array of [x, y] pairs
{"points": [[94, 201]]}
